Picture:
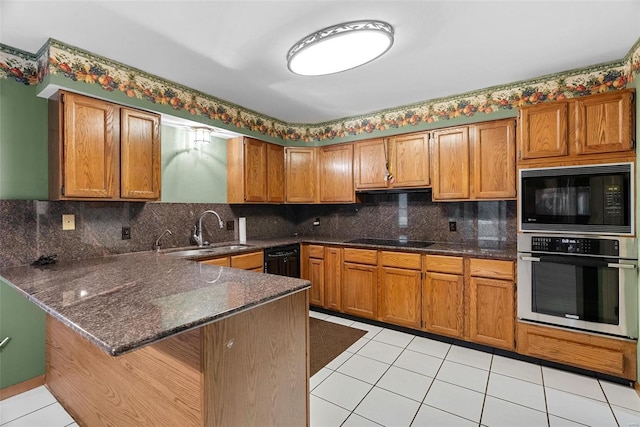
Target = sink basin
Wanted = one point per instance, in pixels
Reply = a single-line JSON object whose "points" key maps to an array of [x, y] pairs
{"points": [[207, 250]]}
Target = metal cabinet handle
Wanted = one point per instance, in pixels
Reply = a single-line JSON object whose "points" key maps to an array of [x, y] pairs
{"points": [[4, 342], [615, 265], [529, 258]]}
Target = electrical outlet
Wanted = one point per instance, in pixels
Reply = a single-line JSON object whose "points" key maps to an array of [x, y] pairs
{"points": [[230, 225], [126, 233], [69, 222], [316, 222], [452, 226]]}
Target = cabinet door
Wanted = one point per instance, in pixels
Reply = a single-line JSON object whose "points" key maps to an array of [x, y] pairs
{"points": [[255, 170], [400, 297], [91, 148], [543, 131], [139, 154], [250, 261], [300, 175], [491, 312], [450, 150], [494, 160], [275, 173], [603, 123], [315, 268], [335, 167], [333, 278], [443, 303], [369, 164], [410, 154], [220, 262], [359, 290]]}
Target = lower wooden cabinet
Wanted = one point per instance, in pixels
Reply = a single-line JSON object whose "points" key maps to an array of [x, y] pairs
{"points": [[399, 289], [253, 261], [333, 278], [443, 296], [491, 313], [312, 269], [612, 356], [360, 282]]}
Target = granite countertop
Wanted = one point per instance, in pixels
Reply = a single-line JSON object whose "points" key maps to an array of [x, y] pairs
{"points": [[123, 302]]}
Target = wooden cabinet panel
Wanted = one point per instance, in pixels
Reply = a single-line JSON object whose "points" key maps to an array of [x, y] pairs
{"points": [[400, 260], [494, 160], [315, 251], [250, 261], [255, 170], [301, 171], [90, 141], [221, 262], [275, 173], [139, 154], [315, 268], [410, 158], [443, 264], [400, 297], [603, 123], [491, 268], [492, 312], [333, 278], [359, 289], [361, 256], [443, 304], [335, 167], [369, 164], [450, 151], [589, 351], [544, 130]]}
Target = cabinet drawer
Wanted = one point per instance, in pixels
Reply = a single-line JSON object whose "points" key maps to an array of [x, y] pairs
{"points": [[360, 256], [608, 355], [221, 262], [249, 261], [443, 264], [400, 260], [316, 251], [491, 268]]}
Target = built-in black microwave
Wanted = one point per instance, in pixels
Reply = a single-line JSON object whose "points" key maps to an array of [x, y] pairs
{"points": [[594, 199]]}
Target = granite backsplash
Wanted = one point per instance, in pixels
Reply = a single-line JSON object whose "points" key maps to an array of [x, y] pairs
{"points": [[30, 229]]}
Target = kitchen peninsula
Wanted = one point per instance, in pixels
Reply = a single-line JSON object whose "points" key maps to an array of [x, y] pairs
{"points": [[151, 339]]}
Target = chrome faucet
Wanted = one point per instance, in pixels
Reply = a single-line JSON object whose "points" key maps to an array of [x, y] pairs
{"points": [[197, 229], [157, 245]]}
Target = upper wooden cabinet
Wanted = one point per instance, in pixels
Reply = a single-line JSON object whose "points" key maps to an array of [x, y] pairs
{"points": [[577, 130], [474, 162], [255, 171], [335, 168], [407, 157], [100, 150], [301, 174]]}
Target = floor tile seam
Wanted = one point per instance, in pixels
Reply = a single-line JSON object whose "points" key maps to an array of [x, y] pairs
{"points": [[608, 403], [579, 395], [515, 378], [434, 377], [486, 389], [384, 342], [520, 404], [371, 358], [29, 413], [565, 418], [335, 404], [356, 408], [450, 413], [613, 405], [362, 416], [466, 364]]}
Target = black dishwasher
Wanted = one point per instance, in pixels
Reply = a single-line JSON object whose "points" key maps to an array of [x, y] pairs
{"points": [[283, 260]]}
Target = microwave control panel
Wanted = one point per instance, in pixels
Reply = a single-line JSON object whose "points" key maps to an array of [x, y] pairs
{"points": [[573, 245]]}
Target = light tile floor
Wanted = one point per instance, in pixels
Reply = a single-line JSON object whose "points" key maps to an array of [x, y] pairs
{"points": [[391, 378]]}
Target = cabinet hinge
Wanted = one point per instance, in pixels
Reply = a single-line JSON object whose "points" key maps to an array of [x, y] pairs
{"points": [[62, 98], [62, 190]]}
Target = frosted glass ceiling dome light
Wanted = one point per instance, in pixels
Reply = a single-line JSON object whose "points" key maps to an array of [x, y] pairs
{"points": [[340, 47]]}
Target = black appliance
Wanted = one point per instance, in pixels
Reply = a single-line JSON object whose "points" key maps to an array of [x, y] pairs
{"points": [[578, 199], [283, 260], [389, 242], [582, 282]]}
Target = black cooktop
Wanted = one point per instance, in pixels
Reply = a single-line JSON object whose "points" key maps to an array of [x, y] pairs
{"points": [[390, 242]]}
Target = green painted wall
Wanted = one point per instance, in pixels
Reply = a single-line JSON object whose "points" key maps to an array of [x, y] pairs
{"points": [[192, 174], [23, 142], [24, 356]]}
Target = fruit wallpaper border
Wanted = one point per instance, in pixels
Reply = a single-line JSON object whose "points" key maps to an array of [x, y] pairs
{"points": [[56, 59]]}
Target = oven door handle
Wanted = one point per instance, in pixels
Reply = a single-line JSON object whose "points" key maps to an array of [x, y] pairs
{"points": [[616, 265], [529, 258]]}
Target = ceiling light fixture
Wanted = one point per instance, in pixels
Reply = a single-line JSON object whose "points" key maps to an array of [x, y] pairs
{"points": [[201, 135], [340, 47]]}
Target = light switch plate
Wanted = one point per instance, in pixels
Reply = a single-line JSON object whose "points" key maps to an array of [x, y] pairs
{"points": [[69, 222]]}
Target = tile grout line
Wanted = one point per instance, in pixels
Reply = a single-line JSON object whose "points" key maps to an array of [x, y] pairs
{"points": [[32, 412]]}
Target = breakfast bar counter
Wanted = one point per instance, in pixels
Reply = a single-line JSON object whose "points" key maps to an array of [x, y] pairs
{"points": [[150, 339]]}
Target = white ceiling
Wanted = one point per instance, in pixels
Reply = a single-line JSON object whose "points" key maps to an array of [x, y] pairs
{"points": [[236, 50]]}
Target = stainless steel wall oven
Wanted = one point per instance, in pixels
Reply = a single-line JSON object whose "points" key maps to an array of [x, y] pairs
{"points": [[583, 282]]}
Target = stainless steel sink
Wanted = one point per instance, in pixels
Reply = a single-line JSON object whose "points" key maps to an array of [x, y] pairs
{"points": [[207, 250]]}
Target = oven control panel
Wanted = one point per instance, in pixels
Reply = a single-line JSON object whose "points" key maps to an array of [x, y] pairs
{"points": [[573, 245]]}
